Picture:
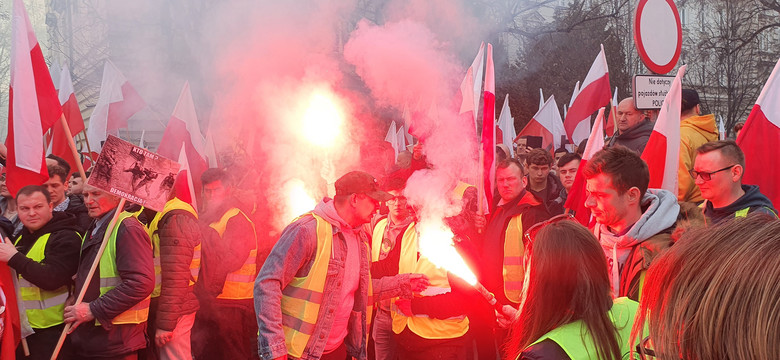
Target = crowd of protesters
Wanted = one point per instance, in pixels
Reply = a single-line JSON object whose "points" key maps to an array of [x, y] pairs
{"points": [[691, 275]]}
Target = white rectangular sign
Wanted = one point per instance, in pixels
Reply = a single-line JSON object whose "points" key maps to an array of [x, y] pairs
{"points": [[650, 90]]}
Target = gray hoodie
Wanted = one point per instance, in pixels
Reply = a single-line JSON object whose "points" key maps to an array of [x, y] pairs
{"points": [[660, 214]]}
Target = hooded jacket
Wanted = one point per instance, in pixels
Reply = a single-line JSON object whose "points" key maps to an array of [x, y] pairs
{"points": [[635, 137], [551, 195], [695, 131], [61, 255], [632, 252], [753, 201]]}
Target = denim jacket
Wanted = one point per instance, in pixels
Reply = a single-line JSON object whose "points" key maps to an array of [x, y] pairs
{"points": [[293, 256]]}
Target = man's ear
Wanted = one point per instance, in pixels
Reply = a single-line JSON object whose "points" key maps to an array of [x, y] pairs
{"points": [[525, 181], [736, 172], [634, 195]]}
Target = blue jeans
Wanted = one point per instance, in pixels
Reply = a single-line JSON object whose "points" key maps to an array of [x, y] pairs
{"points": [[385, 346]]}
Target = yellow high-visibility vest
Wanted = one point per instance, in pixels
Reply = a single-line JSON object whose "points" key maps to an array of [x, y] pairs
{"points": [[44, 308], [514, 250], [109, 279], [302, 297], [239, 284], [422, 325], [173, 204]]}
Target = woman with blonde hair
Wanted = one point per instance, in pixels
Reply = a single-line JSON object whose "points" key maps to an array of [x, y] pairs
{"points": [[567, 311], [715, 294]]}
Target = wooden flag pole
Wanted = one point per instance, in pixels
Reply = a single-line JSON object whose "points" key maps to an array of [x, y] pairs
{"points": [[90, 274], [481, 182], [86, 141], [73, 149]]}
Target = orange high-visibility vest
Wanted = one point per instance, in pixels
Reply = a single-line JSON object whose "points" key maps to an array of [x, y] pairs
{"points": [[240, 283]]}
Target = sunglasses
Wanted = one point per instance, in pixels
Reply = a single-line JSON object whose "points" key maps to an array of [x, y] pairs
{"points": [[531, 233], [706, 176], [396, 200], [645, 350]]}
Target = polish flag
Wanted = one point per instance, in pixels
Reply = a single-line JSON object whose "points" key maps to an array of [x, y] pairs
{"points": [[760, 136], [211, 150], [184, 187], [183, 130], [70, 108], [489, 128], [593, 94], [506, 123], [407, 115], [610, 126], [546, 123], [33, 106], [577, 196], [662, 153], [392, 138], [541, 98], [574, 93], [401, 139], [118, 101], [471, 86]]}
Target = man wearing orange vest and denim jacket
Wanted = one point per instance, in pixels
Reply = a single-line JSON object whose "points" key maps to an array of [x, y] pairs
{"points": [[225, 326], [111, 321], [313, 293]]}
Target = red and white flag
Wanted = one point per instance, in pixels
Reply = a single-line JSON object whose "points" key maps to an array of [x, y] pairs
{"points": [[760, 136], [594, 93], [392, 138], [471, 86], [489, 128], [118, 101], [609, 128], [575, 200], [70, 108], [662, 152], [546, 123], [183, 130], [211, 150], [33, 106], [541, 99], [184, 187], [506, 123]]}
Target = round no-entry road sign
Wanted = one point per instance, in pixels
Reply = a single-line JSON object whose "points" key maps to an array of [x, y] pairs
{"points": [[658, 34]]}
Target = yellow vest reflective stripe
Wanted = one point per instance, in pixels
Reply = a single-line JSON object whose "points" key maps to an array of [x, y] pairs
{"points": [[741, 213], [239, 284], [577, 341], [44, 308], [302, 297], [109, 279], [173, 204], [422, 325], [514, 250]]}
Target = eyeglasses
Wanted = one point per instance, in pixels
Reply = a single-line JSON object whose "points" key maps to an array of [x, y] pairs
{"points": [[397, 200], [706, 176], [644, 349], [531, 233]]}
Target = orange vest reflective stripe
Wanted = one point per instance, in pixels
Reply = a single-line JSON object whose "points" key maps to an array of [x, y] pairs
{"points": [[422, 325], [109, 278], [514, 250], [173, 204], [239, 284]]}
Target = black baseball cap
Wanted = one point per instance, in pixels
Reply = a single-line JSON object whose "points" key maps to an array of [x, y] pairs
{"points": [[359, 182], [690, 98]]}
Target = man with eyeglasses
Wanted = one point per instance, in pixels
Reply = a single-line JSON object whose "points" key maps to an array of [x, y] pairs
{"points": [[718, 171]]}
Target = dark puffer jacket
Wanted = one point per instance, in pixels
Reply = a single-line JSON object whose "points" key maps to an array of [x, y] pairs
{"points": [[77, 208], [179, 235]]}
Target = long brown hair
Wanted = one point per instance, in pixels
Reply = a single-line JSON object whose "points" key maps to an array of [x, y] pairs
{"points": [[566, 280], [715, 294]]}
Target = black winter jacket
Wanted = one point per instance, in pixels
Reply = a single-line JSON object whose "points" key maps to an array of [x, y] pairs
{"points": [[136, 269], [61, 255], [179, 235], [77, 208], [635, 137]]}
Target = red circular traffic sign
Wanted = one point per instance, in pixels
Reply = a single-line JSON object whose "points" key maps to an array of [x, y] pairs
{"points": [[658, 34]]}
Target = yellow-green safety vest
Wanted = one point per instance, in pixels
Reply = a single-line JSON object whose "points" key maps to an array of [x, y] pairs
{"points": [[301, 298], [422, 325], [514, 250], [239, 284], [44, 308], [109, 279], [575, 339], [171, 205]]}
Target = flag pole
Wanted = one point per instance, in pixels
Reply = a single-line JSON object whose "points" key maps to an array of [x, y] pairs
{"points": [[86, 141], [481, 182], [72, 145], [90, 274]]}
